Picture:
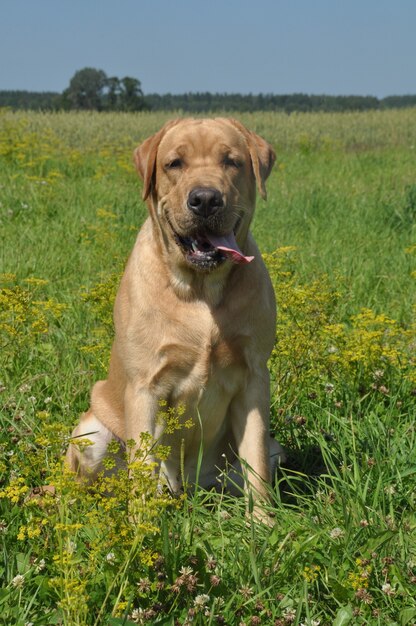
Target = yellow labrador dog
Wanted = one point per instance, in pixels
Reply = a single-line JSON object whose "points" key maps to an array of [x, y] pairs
{"points": [[195, 312]]}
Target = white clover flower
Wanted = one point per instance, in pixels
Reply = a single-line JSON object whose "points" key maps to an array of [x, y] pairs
{"points": [[137, 616], [201, 600], [289, 615], [39, 566], [72, 546], [388, 589], [110, 558], [18, 581], [336, 533]]}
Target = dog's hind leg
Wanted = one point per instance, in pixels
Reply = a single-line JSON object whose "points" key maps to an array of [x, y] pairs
{"points": [[88, 447]]}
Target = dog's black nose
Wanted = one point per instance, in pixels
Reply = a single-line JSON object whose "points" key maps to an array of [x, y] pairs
{"points": [[204, 201]]}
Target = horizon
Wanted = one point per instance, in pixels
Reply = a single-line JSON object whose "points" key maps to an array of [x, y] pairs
{"points": [[231, 93]]}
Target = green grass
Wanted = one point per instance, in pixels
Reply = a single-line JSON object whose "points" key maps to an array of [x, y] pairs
{"points": [[341, 214]]}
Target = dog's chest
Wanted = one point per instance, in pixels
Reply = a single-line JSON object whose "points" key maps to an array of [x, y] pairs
{"points": [[200, 360]]}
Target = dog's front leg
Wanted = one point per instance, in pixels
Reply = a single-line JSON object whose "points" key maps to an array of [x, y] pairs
{"points": [[141, 408], [141, 433], [250, 424]]}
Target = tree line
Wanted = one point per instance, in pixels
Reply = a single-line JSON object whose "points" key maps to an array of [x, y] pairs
{"points": [[92, 89]]}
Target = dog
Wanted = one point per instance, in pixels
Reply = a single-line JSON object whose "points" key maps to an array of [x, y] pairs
{"points": [[195, 314]]}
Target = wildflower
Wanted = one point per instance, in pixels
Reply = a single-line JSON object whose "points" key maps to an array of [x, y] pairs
{"points": [[363, 595], [215, 580], [300, 420], [311, 573], [388, 589], [329, 388], [144, 585], [137, 616], [187, 579], [72, 546], [364, 523], [255, 620], [201, 600], [18, 581], [246, 592], [39, 566], [289, 615], [110, 558], [119, 608], [3, 526], [211, 563], [336, 533]]}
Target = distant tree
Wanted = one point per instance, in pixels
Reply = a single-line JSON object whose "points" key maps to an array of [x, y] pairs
{"points": [[86, 89], [398, 102], [131, 95], [34, 100], [92, 89], [113, 93]]}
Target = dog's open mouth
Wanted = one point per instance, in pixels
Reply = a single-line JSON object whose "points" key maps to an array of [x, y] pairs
{"points": [[207, 251]]}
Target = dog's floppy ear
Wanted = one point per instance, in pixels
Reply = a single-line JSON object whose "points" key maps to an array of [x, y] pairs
{"points": [[262, 155], [145, 157]]}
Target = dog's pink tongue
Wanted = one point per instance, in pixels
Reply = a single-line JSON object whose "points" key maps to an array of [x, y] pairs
{"points": [[229, 246]]}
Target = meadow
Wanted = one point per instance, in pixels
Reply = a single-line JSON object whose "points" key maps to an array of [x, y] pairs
{"points": [[338, 234]]}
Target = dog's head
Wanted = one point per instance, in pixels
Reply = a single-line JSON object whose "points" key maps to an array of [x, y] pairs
{"points": [[200, 177]]}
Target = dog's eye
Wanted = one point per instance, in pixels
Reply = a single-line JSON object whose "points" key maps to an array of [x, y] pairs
{"points": [[174, 165], [230, 162]]}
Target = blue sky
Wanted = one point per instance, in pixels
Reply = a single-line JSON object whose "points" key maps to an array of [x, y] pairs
{"points": [[271, 46]]}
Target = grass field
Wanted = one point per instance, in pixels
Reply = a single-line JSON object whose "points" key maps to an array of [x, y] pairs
{"points": [[338, 234]]}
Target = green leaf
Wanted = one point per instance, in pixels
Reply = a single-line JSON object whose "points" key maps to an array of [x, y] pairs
{"points": [[344, 616], [22, 562], [4, 593], [407, 615], [340, 592], [274, 535], [378, 540]]}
